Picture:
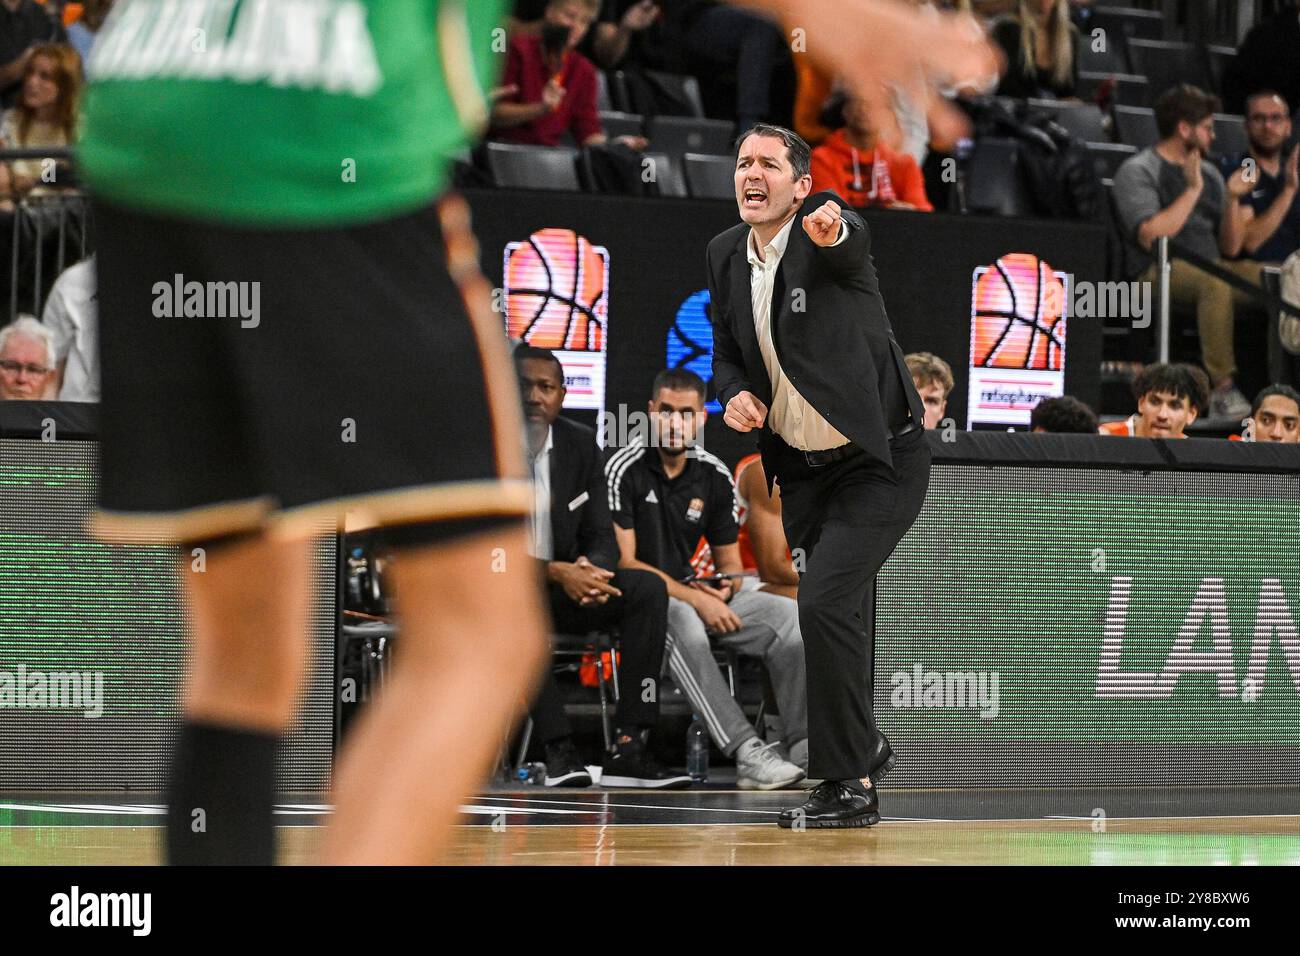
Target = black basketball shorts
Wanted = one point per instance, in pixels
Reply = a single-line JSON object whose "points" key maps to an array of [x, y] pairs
{"points": [[276, 379]]}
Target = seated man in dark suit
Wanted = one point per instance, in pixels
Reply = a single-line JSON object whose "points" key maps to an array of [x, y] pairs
{"points": [[573, 540]]}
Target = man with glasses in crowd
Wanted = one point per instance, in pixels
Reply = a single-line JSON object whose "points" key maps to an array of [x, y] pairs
{"points": [[26, 360]]}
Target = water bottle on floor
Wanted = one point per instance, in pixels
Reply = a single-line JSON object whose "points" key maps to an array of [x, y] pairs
{"points": [[697, 750]]}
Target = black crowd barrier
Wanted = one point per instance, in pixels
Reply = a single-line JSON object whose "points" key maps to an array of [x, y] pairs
{"points": [[1068, 610]]}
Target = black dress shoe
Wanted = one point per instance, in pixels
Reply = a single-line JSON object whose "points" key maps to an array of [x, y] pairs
{"points": [[834, 804], [881, 759]]}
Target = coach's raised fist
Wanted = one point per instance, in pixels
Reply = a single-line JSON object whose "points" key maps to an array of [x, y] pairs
{"points": [[745, 412], [823, 223]]}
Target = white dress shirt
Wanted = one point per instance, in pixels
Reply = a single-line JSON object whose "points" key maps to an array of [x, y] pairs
{"points": [[71, 313], [797, 422], [543, 546]]}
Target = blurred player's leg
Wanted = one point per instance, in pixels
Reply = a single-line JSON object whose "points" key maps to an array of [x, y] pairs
{"points": [[247, 656], [473, 644]]}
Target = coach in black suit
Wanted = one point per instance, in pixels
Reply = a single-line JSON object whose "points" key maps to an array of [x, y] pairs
{"points": [[573, 539], [803, 352]]}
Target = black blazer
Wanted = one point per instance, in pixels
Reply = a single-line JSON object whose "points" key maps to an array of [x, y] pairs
{"points": [[580, 521], [838, 350]]}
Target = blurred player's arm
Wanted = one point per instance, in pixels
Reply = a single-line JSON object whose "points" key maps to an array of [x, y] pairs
{"points": [[888, 47], [767, 534]]}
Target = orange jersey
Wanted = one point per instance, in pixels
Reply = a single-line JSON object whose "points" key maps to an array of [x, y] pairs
{"points": [[702, 559], [747, 559], [1125, 427]]}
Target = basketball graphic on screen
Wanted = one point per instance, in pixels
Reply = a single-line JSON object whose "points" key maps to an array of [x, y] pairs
{"points": [[690, 341], [557, 291], [1019, 315]]}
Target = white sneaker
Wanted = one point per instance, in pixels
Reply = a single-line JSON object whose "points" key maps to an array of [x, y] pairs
{"points": [[1229, 403], [758, 767], [799, 757]]}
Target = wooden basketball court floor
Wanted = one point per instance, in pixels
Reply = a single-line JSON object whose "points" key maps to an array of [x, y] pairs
{"points": [[717, 826]]}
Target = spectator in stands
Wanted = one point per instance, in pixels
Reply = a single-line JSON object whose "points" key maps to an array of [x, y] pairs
{"points": [[27, 361], [933, 379], [1275, 415], [573, 541], [1172, 190], [663, 497], [24, 24], [620, 30], [71, 315], [1268, 59], [45, 115], [1169, 398], [1271, 209], [855, 163], [643, 40], [526, 16], [762, 543], [1063, 415], [82, 32], [554, 85], [1039, 43], [718, 39]]}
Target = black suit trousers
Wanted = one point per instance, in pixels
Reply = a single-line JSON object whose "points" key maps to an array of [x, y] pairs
{"points": [[641, 615], [847, 517]]}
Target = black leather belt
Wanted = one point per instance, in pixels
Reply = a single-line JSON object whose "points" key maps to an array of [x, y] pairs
{"points": [[816, 459]]}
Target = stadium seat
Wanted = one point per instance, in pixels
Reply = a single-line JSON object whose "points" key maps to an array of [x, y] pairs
{"points": [[1123, 24], [1229, 135], [1108, 60], [603, 102], [1130, 89], [667, 174], [1107, 157], [533, 167], [648, 91], [622, 124], [710, 177], [1166, 64], [618, 95], [994, 181], [1083, 120], [1136, 126], [1219, 58], [679, 135]]}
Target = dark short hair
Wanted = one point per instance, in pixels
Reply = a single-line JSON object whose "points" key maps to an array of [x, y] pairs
{"points": [[524, 352], [1064, 414], [678, 379], [1183, 103], [1176, 378], [1286, 391], [798, 149], [1270, 93]]}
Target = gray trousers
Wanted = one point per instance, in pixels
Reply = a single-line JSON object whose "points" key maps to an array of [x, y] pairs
{"points": [[770, 632]]}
